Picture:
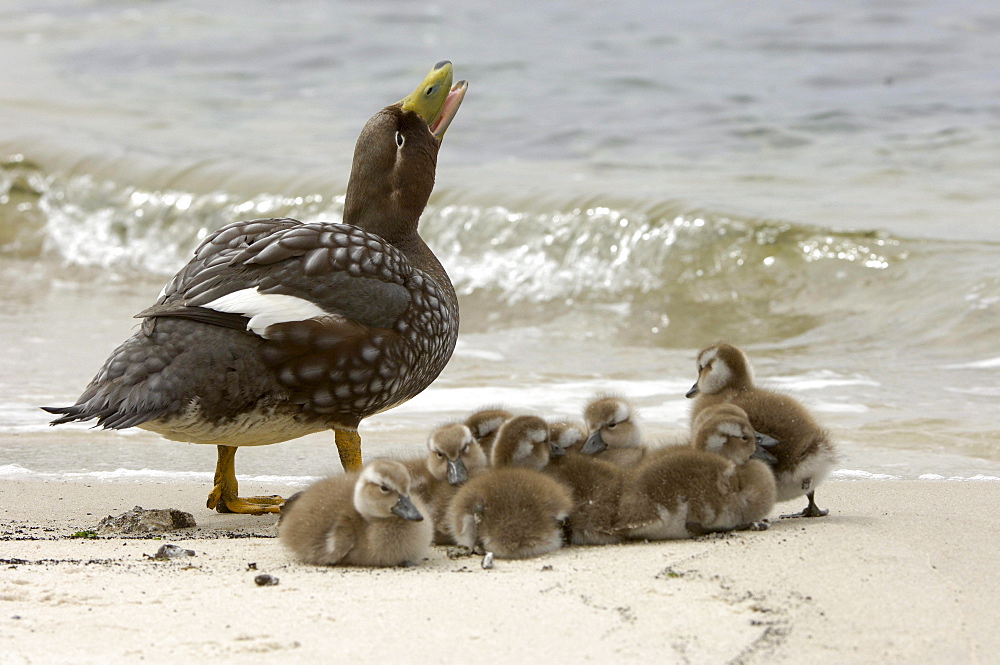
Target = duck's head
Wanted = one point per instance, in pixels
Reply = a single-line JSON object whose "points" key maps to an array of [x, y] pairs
{"points": [[567, 435], [721, 367], [382, 491], [611, 423], [730, 434], [485, 422], [729, 409], [452, 453], [522, 441], [395, 157]]}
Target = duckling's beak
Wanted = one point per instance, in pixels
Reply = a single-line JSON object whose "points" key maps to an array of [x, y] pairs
{"points": [[694, 391], [404, 508], [765, 440], [457, 472], [555, 450], [436, 100], [763, 455], [594, 444]]}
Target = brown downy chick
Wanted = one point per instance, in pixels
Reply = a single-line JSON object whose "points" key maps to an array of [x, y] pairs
{"points": [[513, 510], [453, 456], [719, 483], [484, 425], [805, 454], [567, 435], [613, 430], [366, 518], [597, 487]]}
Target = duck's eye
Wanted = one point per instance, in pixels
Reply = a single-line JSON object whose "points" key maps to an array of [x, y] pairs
{"points": [[465, 449], [384, 488], [440, 455], [612, 425], [399, 139]]}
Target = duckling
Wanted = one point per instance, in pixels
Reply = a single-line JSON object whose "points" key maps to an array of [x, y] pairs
{"points": [[727, 408], [484, 424], [512, 511], [453, 456], [525, 444], [567, 435], [365, 518], [805, 454], [717, 484], [614, 433], [597, 486]]}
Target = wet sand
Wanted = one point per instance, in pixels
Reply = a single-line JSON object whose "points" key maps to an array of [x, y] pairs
{"points": [[900, 572]]}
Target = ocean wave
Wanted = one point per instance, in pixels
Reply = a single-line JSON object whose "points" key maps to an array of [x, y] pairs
{"points": [[639, 266]]}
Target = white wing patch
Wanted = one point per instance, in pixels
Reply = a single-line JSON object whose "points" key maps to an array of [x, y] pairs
{"points": [[266, 309]]}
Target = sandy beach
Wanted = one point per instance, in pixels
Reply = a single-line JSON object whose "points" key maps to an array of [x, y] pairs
{"points": [[899, 572]]}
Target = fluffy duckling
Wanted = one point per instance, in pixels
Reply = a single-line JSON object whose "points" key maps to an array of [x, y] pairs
{"points": [[613, 431], [513, 511], [727, 408], [453, 456], [485, 423], [567, 435], [365, 518], [717, 484], [805, 454], [597, 487]]}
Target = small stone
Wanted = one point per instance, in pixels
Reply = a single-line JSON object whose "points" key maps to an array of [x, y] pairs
{"points": [[169, 551], [265, 580], [487, 560]]}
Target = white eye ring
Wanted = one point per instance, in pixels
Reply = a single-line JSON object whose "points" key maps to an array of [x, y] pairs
{"points": [[399, 139]]}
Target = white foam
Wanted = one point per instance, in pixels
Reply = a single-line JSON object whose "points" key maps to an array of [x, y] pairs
{"points": [[819, 380], [988, 363], [146, 475], [858, 474], [17, 472]]}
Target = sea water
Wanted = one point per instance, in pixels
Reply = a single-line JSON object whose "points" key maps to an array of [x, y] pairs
{"points": [[624, 184]]}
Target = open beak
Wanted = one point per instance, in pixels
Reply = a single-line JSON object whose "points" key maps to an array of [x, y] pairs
{"points": [[594, 444], [404, 508], [436, 100], [457, 472]]}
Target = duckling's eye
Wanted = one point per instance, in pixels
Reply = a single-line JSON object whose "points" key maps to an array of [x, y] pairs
{"points": [[399, 139], [612, 425], [465, 449], [440, 455], [384, 488]]}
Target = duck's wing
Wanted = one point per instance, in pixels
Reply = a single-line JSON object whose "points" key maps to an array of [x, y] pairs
{"points": [[340, 542], [328, 300], [259, 273]]}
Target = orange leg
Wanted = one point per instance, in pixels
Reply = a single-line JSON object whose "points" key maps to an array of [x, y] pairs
{"points": [[224, 496], [349, 447]]}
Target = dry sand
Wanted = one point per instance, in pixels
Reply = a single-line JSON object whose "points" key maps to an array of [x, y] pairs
{"points": [[900, 572]]}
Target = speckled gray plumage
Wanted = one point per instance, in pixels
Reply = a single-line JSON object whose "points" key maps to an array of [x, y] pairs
{"points": [[390, 323]]}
